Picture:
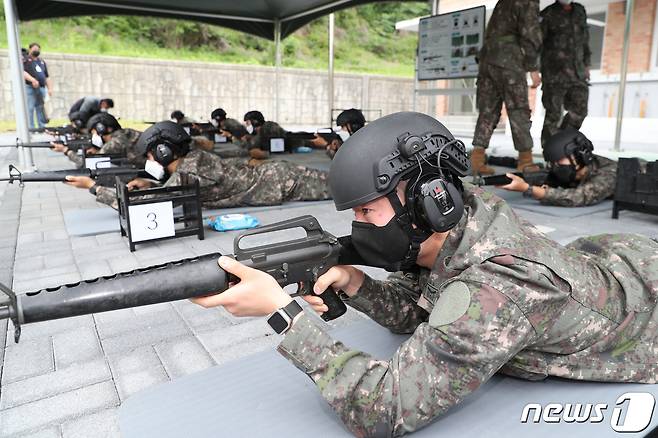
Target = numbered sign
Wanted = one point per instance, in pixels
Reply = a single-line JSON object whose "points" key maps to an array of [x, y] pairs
{"points": [[151, 221], [220, 138], [277, 145], [97, 163]]}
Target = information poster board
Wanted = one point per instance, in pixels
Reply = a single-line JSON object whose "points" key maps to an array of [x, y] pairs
{"points": [[449, 43]]}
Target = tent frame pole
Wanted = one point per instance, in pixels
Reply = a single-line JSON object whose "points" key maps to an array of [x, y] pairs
{"points": [[330, 90], [622, 74], [277, 68], [18, 90]]}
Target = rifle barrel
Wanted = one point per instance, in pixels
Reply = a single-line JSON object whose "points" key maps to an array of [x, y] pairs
{"points": [[169, 282]]}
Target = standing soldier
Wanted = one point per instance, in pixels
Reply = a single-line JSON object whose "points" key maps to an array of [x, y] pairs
{"points": [[565, 61], [510, 49]]}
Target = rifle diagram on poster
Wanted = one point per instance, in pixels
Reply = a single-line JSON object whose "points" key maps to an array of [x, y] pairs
{"points": [[449, 43]]}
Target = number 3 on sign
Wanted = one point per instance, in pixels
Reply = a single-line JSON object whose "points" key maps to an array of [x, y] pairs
{"points": [[151, 221]]}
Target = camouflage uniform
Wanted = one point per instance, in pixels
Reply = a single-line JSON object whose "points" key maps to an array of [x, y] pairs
{"points": [[234, 182], [565, 57], [230, 124], [121, 142], [273, 130], [510, 50], [501, 296], [599, 184]]}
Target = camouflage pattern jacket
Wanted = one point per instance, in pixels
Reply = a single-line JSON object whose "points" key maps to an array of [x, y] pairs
{"points": [[565, 53], [121, 142], [598, 185], [501, 297], [233, 182], [513, 36]]}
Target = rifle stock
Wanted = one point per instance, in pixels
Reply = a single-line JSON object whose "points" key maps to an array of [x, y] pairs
{"points": [[296, 261]]}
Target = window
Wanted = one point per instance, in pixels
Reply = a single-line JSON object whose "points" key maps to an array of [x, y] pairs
{"points": [[596, 24]]}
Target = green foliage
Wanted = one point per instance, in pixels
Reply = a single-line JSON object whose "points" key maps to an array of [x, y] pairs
{"points": [[366, 40]]}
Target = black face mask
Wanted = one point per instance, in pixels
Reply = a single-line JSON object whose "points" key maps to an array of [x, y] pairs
{"points": [[393, 247], [382, 247], [36, 53], [565, 174]]}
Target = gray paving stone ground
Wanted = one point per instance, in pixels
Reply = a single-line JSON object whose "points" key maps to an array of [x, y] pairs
{"points": [[67, 377]]}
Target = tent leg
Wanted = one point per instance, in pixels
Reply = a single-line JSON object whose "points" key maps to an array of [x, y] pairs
{"points": [[330, 90], [435, 7], [16, 73], [622, 74], [277, 67]]}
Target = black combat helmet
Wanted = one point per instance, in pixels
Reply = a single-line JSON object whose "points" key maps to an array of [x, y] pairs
{"points": [[353, 117], [218, 114], [103, 123], [372, 162], [256, 118], [166, 132], [177, 114], [566, 143]]}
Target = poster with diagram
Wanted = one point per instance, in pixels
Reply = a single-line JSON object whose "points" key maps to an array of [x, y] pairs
{"points": [[448, 44]]}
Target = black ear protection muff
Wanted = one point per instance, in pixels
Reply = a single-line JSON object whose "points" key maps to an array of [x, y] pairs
{"points": [[433, 200], [163, 154], [582, 149], [100, 128]]}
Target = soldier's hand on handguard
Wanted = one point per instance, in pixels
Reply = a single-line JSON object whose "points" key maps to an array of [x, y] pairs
{"points": [[257, 293], [81, 182], [535, 78], [58, 147], [518, 184], [346, 278], [139, 184]]}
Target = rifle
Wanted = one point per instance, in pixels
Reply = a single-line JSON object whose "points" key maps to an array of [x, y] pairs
{"points": [[71, 144], [200, 128], [299, 261], [327, 134], [536, 178], [56, 130], [102, 176]]}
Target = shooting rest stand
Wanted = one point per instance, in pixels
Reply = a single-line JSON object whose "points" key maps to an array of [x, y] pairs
{"points": [[189, 222], [636, 190]]}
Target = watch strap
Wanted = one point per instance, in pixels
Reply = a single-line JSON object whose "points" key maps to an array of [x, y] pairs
{"points": [[292, 309], [282, 319]]}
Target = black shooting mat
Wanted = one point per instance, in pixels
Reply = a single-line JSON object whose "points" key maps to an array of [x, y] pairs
{"points": [[265, 395], [519, 202]]}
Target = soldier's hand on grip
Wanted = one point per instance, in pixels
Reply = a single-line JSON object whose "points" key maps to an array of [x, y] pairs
{"points": [[346, 278]]}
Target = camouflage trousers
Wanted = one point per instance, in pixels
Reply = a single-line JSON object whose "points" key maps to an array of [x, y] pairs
{"points": [[495, 86], [283, 181], [556, 96], [309, 184]]}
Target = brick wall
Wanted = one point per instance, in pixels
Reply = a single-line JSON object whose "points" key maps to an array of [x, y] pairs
{"points": [[641, 37]]}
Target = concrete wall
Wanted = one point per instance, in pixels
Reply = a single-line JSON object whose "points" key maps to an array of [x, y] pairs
{"points": [[145, 89]]}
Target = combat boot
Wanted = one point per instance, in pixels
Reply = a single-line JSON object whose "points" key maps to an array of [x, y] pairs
{"points": [[478, 166], [525, 162]]}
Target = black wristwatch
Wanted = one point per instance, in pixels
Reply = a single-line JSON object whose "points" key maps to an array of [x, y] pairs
{"points": [[281, 320], [529, 192]]}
